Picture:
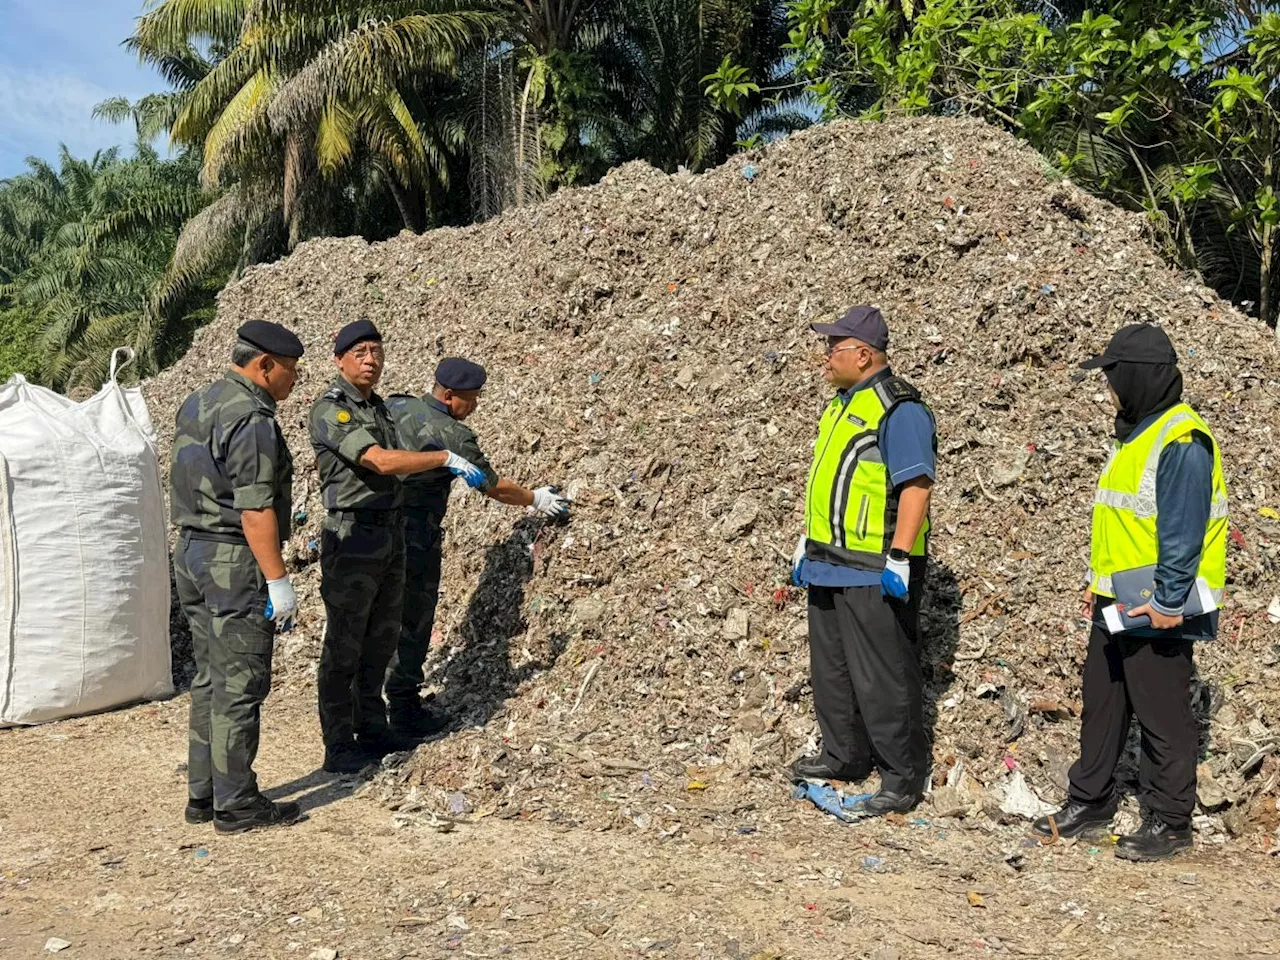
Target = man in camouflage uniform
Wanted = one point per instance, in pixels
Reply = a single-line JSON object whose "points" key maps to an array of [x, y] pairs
{"points": [[435, 422], [231, 477], [362, 549]]}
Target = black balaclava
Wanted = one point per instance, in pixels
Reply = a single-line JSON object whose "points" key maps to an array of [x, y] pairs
{"points": [[1143, 389]]}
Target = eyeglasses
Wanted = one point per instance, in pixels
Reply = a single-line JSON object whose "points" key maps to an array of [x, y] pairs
{"points": [[832, 351], [363, 353]]}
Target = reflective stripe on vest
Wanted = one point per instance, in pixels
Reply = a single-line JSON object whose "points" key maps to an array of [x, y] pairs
{"points": [[851, 508], [1124, 507]]}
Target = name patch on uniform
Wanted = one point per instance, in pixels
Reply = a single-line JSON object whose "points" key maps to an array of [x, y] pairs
{"points": [[857, 421], [344, 417]]}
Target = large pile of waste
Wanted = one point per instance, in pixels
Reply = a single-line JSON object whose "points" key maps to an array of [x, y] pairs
{"points": [[648, 348]]}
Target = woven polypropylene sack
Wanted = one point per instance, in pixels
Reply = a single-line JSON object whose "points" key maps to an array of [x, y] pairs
{"points": [[84, 585]]}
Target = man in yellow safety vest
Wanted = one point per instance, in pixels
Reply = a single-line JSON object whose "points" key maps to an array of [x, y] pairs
{"points": [[862, 556], [1161, 503]]}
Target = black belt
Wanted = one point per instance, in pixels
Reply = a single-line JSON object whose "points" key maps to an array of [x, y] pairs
{"points": [[236, 538], [369, 516]]}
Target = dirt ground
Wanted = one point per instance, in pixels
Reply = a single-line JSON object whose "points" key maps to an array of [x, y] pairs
{"points": [[94, 851]]}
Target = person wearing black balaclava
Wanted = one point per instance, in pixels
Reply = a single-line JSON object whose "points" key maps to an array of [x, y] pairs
{"points": [[1162, 502]]}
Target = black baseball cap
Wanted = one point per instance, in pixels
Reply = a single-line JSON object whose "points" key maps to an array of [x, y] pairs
{"points": [[862, 323], [358, 331], [1135, 343], [270, 338]]}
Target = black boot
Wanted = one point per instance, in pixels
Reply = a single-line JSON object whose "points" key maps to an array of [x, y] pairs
{"points": [[345, 758], [377, 743], [885, 801], [1155, 840], [199, 811], [414, 721], [818, 767], [1076, 819], [263, 813]]}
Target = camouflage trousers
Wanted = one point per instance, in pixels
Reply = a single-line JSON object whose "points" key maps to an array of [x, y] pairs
{"points": [[224, 597], [423, 542], [362, 584]]}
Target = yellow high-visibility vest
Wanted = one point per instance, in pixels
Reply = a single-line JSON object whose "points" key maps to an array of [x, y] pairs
{"points": [[851, 507], [1124, 507]]}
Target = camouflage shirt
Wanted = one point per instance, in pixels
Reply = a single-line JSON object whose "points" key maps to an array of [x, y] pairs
{"points": [[424, 423], [229, 455], [343, 426]]}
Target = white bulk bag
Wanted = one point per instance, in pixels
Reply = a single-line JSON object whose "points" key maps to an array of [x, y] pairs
{"points": [[84, 579]]}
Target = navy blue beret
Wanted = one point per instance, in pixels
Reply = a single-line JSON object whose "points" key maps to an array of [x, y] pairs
{"points": [[454, 373], [270, 338], [357, 331]]}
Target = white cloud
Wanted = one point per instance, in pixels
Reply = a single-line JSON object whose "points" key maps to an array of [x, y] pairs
{"points": [[40, 109]]}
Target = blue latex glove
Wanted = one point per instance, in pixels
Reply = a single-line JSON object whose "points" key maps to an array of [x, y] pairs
{"points": [[829, 800], [797, 562], [896, 578], [465, 469]]}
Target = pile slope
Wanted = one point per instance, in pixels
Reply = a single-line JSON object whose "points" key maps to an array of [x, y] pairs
{"points": [[648, 347]]}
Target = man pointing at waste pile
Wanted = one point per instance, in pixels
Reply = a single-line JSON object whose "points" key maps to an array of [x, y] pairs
{"points": [[1159, 541], [231, 476], [362, 548], [435, 422], [863, 559]]}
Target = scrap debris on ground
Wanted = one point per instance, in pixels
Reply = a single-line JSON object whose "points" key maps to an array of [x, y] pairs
{"points": [[644, 666], [119, 875]]}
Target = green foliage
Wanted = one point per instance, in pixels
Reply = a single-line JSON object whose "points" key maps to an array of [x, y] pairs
{"points": [[729, 86], [19, 330], [1173, 109], [81, 248]]}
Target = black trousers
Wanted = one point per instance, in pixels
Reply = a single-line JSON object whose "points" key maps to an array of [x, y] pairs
{"points": [[1150, 680], [362, 585], [423, 556], [868, 691]]}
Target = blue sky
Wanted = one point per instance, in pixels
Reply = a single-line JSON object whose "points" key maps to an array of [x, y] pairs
{"points": [[57, 59]]}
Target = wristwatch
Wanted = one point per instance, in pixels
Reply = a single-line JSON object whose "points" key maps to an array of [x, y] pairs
{"points": [[897, 554]]}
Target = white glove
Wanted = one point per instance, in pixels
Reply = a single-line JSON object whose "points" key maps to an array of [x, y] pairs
{"points": [[896, 578], [282, 602], [549, 503], [797, 559], [468, 471]]}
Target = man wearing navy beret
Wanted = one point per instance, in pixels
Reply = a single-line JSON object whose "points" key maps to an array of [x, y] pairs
{"points": [[231, 479], [362, 548], [435, 422]]}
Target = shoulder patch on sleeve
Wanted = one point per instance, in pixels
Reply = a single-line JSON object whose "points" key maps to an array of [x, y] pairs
{"points": [[343, 416], [895, 390]]}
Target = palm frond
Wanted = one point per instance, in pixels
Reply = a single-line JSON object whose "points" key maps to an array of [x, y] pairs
{"points": [[241, 121], [174, 24]]}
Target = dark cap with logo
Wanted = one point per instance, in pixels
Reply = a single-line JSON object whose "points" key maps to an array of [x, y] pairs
{"points": [[357, 331], [270, 338], [1136, 343], [454, 373], [862, 323]]}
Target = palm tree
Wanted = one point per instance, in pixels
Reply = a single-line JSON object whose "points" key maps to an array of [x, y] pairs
{"points": [[311, 90], [666, 49], [84, 244]]}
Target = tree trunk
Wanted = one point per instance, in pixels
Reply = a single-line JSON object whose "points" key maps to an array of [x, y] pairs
{"points": [[520, 137], [408, 202], [293, 177], [1268, 308]]}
